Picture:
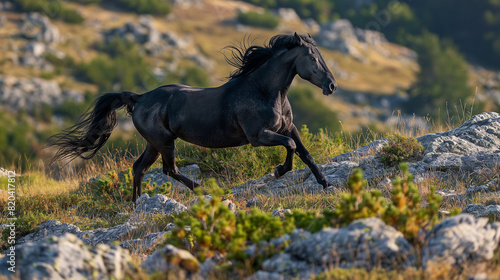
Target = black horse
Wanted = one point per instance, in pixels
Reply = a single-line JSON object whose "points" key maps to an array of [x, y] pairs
{"points": [[251, 108]]}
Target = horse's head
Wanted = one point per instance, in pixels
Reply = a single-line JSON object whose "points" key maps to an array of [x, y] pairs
{"points": [[311, 66]]}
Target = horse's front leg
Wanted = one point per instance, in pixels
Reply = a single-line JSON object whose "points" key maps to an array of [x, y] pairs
{"points": [[306, 157]]}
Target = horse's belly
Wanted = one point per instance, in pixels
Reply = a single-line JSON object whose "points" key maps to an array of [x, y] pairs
{"points": [[215, 140], [210, 132]]}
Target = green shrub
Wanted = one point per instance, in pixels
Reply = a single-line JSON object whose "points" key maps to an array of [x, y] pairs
{"points": [[210, 228], [310, 220], [255, 227], [70, 16], [53, 9], [264, 20], [405, 213], [400, 149], [351, 208], [155, 7], [121, 186], [206, 228], [17, 139], [128, 71]]}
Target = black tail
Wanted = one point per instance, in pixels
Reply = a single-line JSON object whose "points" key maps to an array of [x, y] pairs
{"points": [[93, 128]]}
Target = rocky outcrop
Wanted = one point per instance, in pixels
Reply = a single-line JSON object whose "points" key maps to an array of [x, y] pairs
{"points": [[461, 240], [42, 37], [341, 35], [460, 152], [158, 204], [363, 243], [36, 26], [21, 93], [287, 14], [66, 257], [479, 210], [142, 32], [156, 43]]}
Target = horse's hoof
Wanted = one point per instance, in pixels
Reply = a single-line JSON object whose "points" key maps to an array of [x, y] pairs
{"points": [[279, 171], [327, 185], [329, 189]]}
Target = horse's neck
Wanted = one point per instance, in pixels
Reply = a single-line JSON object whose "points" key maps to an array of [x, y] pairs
{"points": [[275, 77]]}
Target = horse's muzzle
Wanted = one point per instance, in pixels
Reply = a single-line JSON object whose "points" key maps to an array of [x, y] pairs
{"points": [[331, 88]]}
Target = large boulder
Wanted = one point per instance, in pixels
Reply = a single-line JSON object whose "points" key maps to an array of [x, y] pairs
{"points": [[363, 243], [461, 240], [66, 257]]}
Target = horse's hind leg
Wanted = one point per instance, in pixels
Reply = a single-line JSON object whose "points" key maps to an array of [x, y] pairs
{"points": [[169, 167], [141, 165]]}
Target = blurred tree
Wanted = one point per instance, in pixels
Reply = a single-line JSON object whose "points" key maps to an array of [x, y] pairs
{"points": [[310, 111], [264, 20], [443, 79]]}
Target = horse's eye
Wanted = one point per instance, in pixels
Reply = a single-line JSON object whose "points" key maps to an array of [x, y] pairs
{"points": [[313, 58]]}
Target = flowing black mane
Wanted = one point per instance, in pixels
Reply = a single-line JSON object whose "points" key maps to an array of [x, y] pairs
{"points": [[246, 61]]}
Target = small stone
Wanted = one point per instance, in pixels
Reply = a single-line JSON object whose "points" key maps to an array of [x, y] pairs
{"points": [[170, 257], [254, 202], [281, 213]]}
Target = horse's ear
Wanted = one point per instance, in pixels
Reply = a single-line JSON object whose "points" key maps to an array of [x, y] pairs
{"points": [[298, 39]]}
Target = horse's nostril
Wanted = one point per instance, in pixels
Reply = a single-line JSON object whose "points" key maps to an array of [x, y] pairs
{"points": [[333, 87]]}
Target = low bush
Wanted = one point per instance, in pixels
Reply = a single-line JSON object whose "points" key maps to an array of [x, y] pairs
{"points": [[264, 20], [53, 9], [70, 16], [155, 7], [112, 186], [209, 228], [405, 212], [206, 228], [400, 148]]}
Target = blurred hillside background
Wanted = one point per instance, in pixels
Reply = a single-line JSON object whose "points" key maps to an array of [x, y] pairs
{"points": [[418, 64]]}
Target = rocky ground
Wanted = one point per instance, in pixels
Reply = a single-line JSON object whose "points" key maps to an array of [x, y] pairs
{"points": [[63, 251]]}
